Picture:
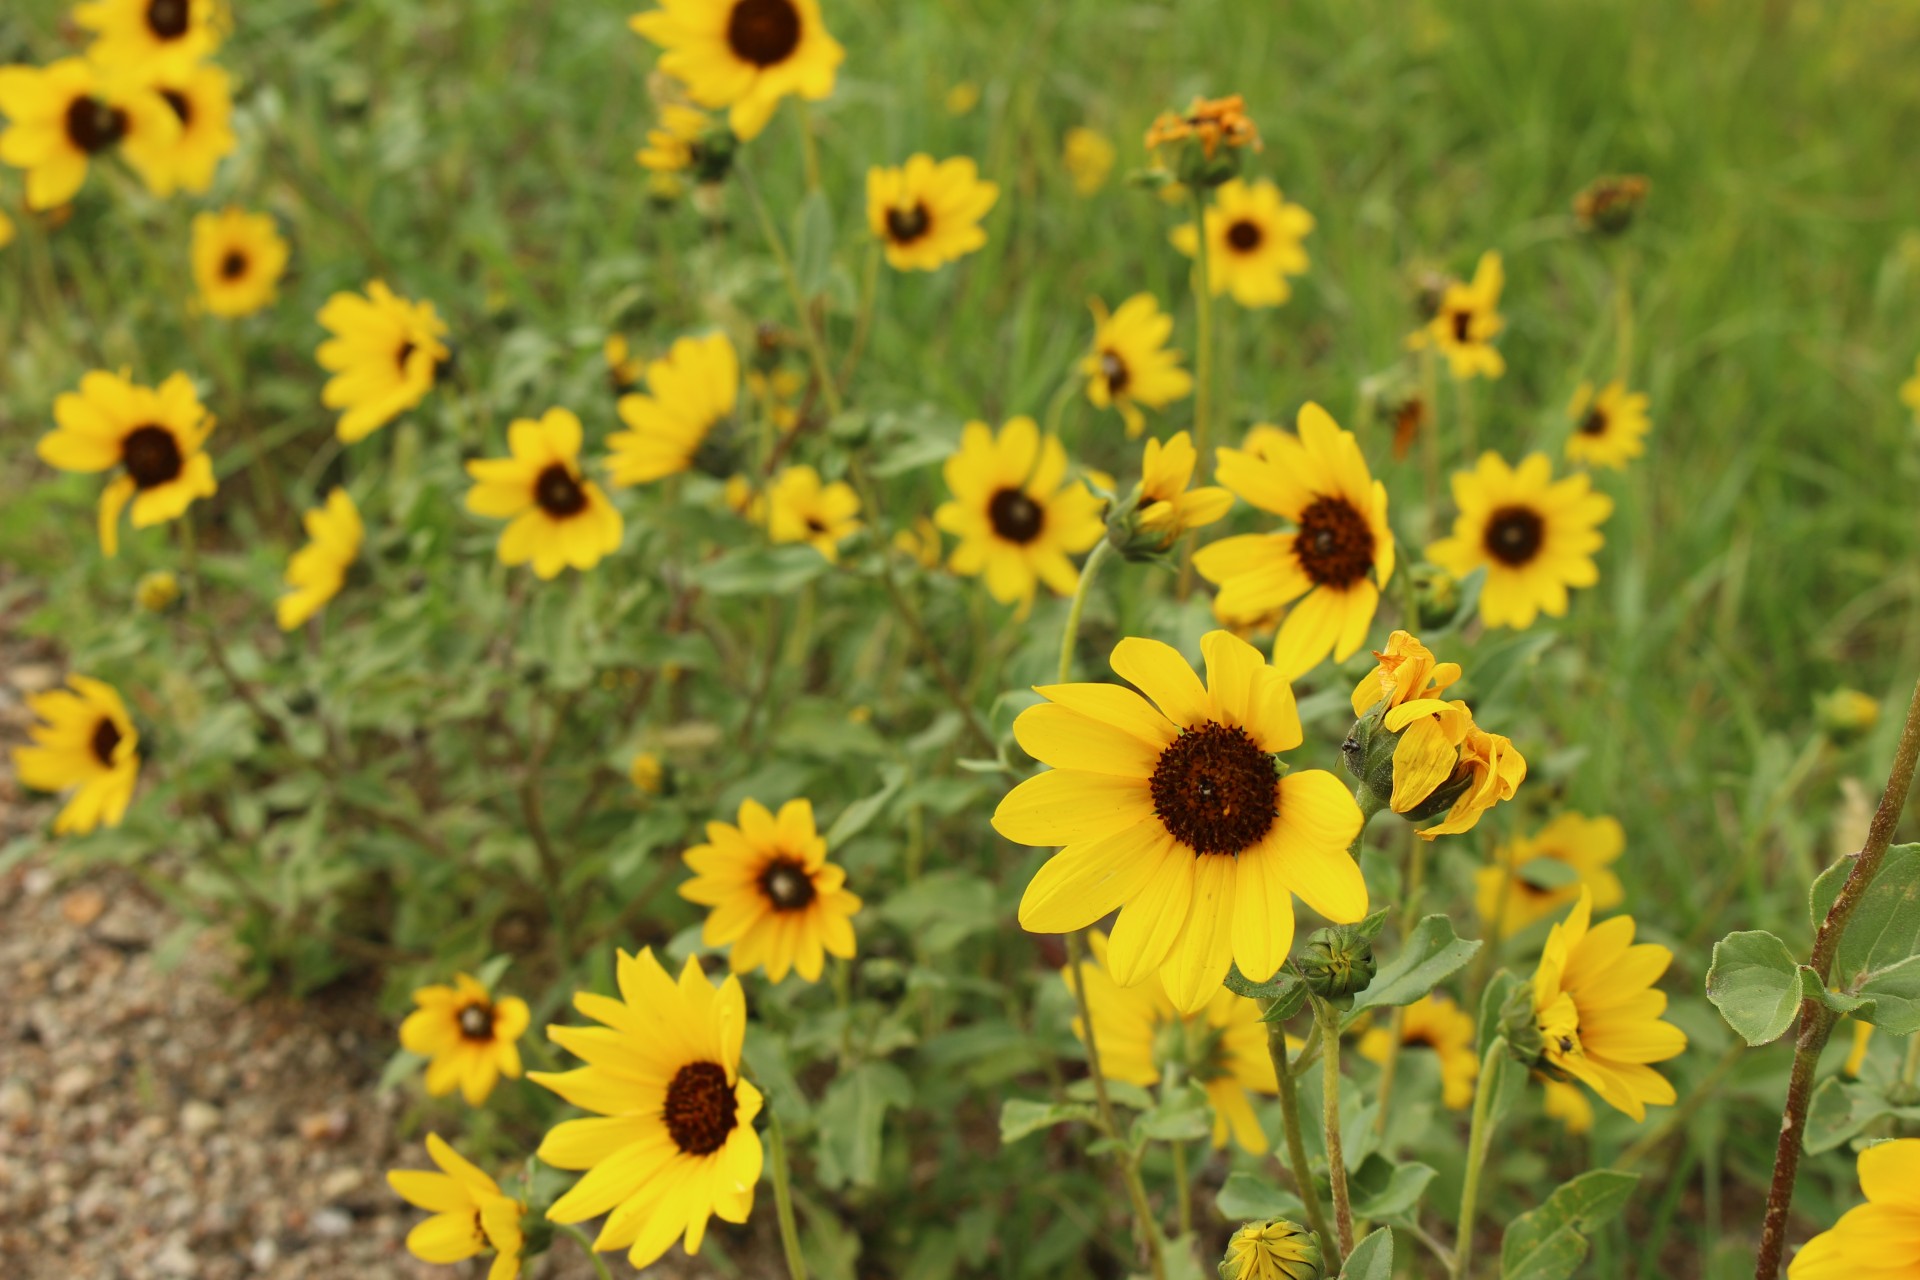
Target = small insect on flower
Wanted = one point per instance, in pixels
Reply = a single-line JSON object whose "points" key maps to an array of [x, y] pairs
{"points": [[1436, 1023], [1088, 157], [1540, 875], [1275, 1250], [385, 353], [800, 508], [319, 569], [1017, 516], [154, 434], [201, 98], [1466, 322], [684, 420], [238, 259], [1336, 560], [143, 35], [560, 518], [927, 214], [672, 1142], [1535, 536], [467, 1036], [1130, 364], [1608, 206], [1175, 812], [64, 116], [745, 55], [470, 1213], [1166, 507], [1141, 1036], [1253, 243], [773, 895], [84, 743], [1608, 428]]}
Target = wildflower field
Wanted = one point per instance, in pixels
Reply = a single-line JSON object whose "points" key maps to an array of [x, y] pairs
{"points": [[999, 639]]}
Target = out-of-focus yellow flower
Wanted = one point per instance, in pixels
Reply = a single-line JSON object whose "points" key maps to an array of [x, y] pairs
{"points": [[927, 214], [1569, 1104], [84, 743], [238, 259], [745, 55], [1510, 893], [560, 518], [1846, 714], [670, 147], [1857, 1054], [155, 435], [801, 508], [143, 35], [624, 369], [470, 1214], [1466, 322], [201, 96], [1609, 205], [962, 98], [64, 116], [1434, 1022], [771, 892], [1015, 513], [319, 569], [1130, 363], [1253, 242], [1608, 428], [684, 418], [157, 592], [778, 393], [1088, 157], [921, 542], [467, 1036], [647, 773], [384, 354]]}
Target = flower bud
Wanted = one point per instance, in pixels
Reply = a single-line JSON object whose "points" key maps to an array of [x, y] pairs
{"points": [[158, 591], [1608, 205], [1336, 962], [1367, 754], [1276, 1250], [1521, 1026], [1436, 595]]}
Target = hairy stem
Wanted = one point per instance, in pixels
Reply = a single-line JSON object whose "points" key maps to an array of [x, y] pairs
{"points": [[1202, 279], [1296, 1144], [1478, 1138], [1071, 632], [1329, 1019]]}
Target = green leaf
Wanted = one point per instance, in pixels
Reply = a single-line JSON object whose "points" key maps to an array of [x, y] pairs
{"points": [[1372, 1258], [1370, 927], [1885, 928], [851, 1117], [1382, 1189], [856, 817], [1248, 1197], [1840, 1110], [1755, 984], [1493, 1001], [813, 243], [1892, 998], [1554, 1258], [1431, 954], [1021, 1116], [1548, 1243], [761, 571], [1184, 1117]]}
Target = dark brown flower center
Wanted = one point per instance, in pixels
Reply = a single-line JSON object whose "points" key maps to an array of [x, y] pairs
{"points": [[1462, 322], [1514, 535], [787, 885], [904, 226], [152, 456], [559, 492], [1215, 790], [1114, 370], [182, 106], [93, 125], [234, 265], [476, 1022], [1016, 516], [763, 32], [700, 1110], [1595, 423], [168, 19], [105, 740], [1245, 235], [1419, 1040], [816, 525], [1334, 545], [406, 353]]}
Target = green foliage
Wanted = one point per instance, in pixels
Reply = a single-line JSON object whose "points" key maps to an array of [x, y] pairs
{"points": [[1430, 955], [1372, 1258], [1550, 1242], [1755, 983]]}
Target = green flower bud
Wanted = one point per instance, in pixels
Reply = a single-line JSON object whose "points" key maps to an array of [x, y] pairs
{"points": [[1336, 962], [1436, 595], [713, 154], [1367, 754], [1277, 1250], [539, 1235], [1521, 1025]]}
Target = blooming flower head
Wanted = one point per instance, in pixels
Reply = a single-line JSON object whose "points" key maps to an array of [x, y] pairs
{"points": [[1540, 875], [200, 96], [1434, 1022], [384, 355], [921, 542], [238, 259], [470, 1213], [1173, 812], [682, 421], [1130, 364], [1088, 157], [84, 743], [800, 508], [1275, 1250], [744, 55], [1598, 1012], [1334, 563], [1167, 507], [1536, 537], [319, 569], [154, 434], [139, 35], [1880, 1238], [927, 214], [1223, 1047], [773, 895], [1467, 321], [1209, 123], [64, 116], [1608, 428], [467, 1036], [1015, 513], [560, 518], [671, 1143], [1253, 242]]}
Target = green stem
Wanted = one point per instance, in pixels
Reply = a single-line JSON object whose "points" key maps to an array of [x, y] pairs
{"points": [[783, 1197], [1910, 1068], [1183, 1189], [586, 1246], [1329, 1019], [803, 310], [1201, 276], [1296, 1143], [1071, 632], [863, 322], [809, 147], [1478, 1138], [1622, 320]]}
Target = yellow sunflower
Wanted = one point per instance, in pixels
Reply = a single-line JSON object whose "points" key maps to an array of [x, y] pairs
{"points": [[1179, 817], [1253, 242], [1088, 157], [466, 1035], [1568, 1104], [1434, 1022], [1599, 1013], [774, 896], [1334, 563], [85, 743], [928, 214], [1488, 770], [64, 116], [470, 1213], [560, 518], [1467, 321], [201, 97], [1223, 1047], [238, 259], [384, 355], [685, 420], [155, 434], [1438, 748], [802, 509], [672, 1142], [1130, 364], [1515, 891], [1167, 506], [684, 140], [647, 773], [138, 35], [1879, 1240], [1535, 536], [319, 569], [1609, 428], [745, 55], [1015, 513]]}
